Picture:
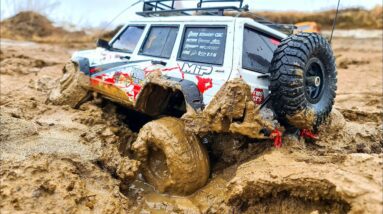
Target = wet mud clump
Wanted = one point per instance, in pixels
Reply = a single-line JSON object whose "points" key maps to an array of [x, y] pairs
{"points": [[232, 110], [229, 149], [349, 136], [111, 139]]}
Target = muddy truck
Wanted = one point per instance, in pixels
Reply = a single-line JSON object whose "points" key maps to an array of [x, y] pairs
{"points": [[202, 73]]}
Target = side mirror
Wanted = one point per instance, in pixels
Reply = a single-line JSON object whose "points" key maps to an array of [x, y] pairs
{"points": [[103, 44]]}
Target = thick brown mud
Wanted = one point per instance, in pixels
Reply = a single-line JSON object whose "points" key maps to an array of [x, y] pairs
{"points": [[278, 183], [53, 184], [54, 158], [231, 111]]}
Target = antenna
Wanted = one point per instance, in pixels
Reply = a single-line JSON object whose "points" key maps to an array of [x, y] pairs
{"points": [[335, 19], [118, 15]]}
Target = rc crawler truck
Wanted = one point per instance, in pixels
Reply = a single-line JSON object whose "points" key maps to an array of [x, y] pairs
{"points": [[198, 71]]}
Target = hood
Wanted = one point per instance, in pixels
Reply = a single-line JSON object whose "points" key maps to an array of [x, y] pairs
{"points": [[100, 56]]}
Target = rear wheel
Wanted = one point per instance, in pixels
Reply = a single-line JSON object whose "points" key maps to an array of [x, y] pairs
{"points": [[172, 160], [72, 87], [303, 81]]}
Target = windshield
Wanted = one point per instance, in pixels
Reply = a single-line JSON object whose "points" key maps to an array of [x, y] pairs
{"points": [[127, 40]]}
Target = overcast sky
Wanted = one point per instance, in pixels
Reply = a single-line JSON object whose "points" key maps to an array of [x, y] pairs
{"points": [[99, 12]]}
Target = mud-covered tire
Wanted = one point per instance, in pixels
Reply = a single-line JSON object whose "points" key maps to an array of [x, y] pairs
{"points": [[72, 87], [172, 160], [303, 81]]}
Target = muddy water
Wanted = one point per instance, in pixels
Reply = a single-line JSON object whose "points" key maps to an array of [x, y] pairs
{"points": [[208, 199]]}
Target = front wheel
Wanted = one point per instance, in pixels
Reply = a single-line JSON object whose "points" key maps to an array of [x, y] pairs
{"points": [[303, 81], [172, 160], [72, 87]]}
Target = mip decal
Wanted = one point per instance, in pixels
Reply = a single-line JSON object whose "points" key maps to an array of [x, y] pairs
{"points": [[196, 69]]}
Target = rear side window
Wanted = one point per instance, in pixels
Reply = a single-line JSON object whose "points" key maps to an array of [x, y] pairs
{"points": [[203, 45], [258, 50], [127, 40], [160, 41]]}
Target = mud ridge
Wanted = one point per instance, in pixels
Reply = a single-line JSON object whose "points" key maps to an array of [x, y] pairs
{"points": [[291, 196]]}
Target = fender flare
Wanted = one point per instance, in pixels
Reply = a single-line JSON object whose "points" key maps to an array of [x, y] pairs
{"points": [[189, 90], [191, 93]]}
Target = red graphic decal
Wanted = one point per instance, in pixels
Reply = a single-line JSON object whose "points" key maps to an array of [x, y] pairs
{"points": [[109, 80], [169, 69], [94, 70], [136, 90], [147, 71], [204, 84], [275, 42], [182, 73], [258, 96], [94, 81]]}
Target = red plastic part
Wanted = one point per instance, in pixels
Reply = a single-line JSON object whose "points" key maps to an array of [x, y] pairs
{"points": [[277, 137], [307, 134], [258, 96]]}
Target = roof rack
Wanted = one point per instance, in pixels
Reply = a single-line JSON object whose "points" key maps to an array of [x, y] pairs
{"points": [[168, 8]]}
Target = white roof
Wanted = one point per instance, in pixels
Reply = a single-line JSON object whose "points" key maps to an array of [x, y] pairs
{"points": [[209, 19], [187, 19]]}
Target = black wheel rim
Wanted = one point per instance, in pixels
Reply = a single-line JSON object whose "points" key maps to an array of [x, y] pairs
{"points": [[314, 80]]}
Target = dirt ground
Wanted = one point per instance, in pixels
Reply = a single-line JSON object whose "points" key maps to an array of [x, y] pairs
{"points": [[55, 159]]}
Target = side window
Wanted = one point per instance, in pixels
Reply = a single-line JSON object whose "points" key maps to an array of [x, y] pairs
{"points": [[160, 41], [258, 49], [203, 45], [127, 40]]}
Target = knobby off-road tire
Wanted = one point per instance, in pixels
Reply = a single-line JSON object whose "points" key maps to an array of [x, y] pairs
{"points": [[172, 160], [303, 81], [72, 87]]}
